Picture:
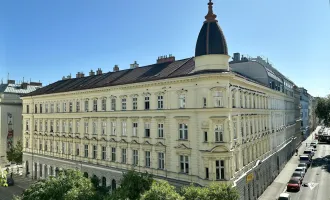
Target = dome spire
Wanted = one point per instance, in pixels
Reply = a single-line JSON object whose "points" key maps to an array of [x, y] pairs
{"points": [[210, 17]]}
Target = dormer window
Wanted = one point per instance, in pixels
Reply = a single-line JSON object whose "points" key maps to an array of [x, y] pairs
{"points": [[218, 99], [182, 101]]}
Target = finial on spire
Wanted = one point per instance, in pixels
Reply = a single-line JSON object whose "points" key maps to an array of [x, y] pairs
{"points": [[210, 15]]}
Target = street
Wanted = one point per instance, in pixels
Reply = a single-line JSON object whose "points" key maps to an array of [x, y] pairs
{"points": [[317, 177], [21, 183]]}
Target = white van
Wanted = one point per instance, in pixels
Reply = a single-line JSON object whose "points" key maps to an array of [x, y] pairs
{"points": [[284, 196]]}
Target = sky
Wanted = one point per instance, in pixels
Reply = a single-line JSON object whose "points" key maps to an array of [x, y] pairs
{"points": [[46, 40]]}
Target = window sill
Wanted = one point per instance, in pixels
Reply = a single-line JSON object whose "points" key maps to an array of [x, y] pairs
{"points": [[160, 138], [183, 140]]}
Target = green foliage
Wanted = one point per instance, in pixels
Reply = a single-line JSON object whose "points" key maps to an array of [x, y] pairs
{"points": [[69, 185], [15, 154], [322, 109], [133, 184], [161, 190], [100, 189], [214, 191], [3, 178]]}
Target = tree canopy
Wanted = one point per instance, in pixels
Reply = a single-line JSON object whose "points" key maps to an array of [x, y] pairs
{"points": [[3, 177], [15, 154], [322, 109]]}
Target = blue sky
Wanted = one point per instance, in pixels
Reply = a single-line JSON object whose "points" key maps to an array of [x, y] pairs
{"points": [[45, 40]]}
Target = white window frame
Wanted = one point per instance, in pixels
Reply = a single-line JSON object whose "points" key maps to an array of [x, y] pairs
{"points": [[104, 104], [86, 106], [135, 129], [135, 103], [77, 126], [86, 151], [160, 102], [64, 107], [77, 106], [104, 127], [113, 128], [94, 105], [57, 126], [46, 125], [113, 104], [161, 160], [94, 151], [183, 131], [147, 102], [184, 164], [220, 170], [160, 130], [182, 101], [147, 127], [147, 159], [113, 154], [70, 107], [94, 128], [86, 127], [70, 126], [124, 128], [218, 99], [52, 108], [218, 133], [123, 104], [124, 156], [104, 152], [135, 157]]}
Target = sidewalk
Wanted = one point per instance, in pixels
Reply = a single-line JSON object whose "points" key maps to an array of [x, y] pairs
{"points": [[279, 185]]}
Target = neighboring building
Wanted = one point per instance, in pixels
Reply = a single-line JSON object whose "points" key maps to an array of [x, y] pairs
{"points": [[311, 112], [304, 112], [191, 120], [11, 114], [297, 115]]}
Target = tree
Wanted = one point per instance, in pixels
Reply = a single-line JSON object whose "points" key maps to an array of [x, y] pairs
{"points": [[132, 185], [214, 191], [3, 177], [100, 189], [15, 154], [322, 109], [69, 185], [161, 190]]}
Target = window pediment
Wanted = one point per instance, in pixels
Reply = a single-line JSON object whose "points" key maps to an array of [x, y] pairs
{"points": [[134, 95], [135, 142], [182, 119], [219, 149], [112, 140], [77, 136], [146, 94], [182, 92], [103, 139], [205, 125], [160, 118], [159, 93], [146, 143], [146, 119], [123, 141], [182, 146], [218, 119], [218, 88], [123, 96]]}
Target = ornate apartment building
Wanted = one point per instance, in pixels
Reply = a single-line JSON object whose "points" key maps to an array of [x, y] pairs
{"points": [[190, 120]]}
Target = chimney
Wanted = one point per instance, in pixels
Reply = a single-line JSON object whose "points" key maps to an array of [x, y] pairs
{"points": [[63, 78], [24, 85], [164, 59], [99, 71], [11, 81], [82, 75], [35, 84], [69, 76], [91, 73], [116, 68], [236, 57], [134, 65], [78, 75]]}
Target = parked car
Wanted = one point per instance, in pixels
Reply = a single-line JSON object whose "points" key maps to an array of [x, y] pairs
{"points": [[313, 144], [304, 165], [298, 175], [284, 196], [300, 169], [293, 184], [309, 152], [305, 159]]}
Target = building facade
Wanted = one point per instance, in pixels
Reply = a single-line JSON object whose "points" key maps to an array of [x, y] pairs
{"points": [[304, 112], [194, 120], [11, 114]]}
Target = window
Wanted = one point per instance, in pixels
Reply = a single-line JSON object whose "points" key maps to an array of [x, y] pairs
{"points": [[220, 169], [35, 108], [205, 136], [135, 105], [95, 105], [104, 104], [86, 151], [182, 101], [46, 145], [46, 125], [36, 125], [70, 148], [77, 106], [123, 155], [77, 149], [63, 148], [46, 108], [113, 104], [40, 108], [57, 147], [235, 130], [70, 126], [104, 127], [27, 109], [135, 128], [184, 164], [147, 158], [27, 125], [183, 131], [63, 126], [40, 125], [135, 157], [86, 127], [218, 99], [206, 173], [161, 160], [64, 107], [147, 130], [124, 128], [113, 127], [70, 106], [51, 126], [104, 181], [40, 145], [86, 105], [94, 128], [77, 126], [113, 154], [160, 130], [58, 107], [104, 153], [160, 102], [94, 151], [147, 103], [218, 133], [233, 100], [50, 145], [204, 102], [123, 104]]}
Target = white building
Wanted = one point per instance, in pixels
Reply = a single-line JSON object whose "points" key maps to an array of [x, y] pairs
{"points": [[190, 120], [11, 114]]}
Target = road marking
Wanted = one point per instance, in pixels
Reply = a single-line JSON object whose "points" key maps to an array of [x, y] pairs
{"points": [[312, 185]]}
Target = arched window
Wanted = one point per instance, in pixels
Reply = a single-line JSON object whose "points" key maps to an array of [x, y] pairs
{"points": [[85, 174], [104, 181], [113, 184]]}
